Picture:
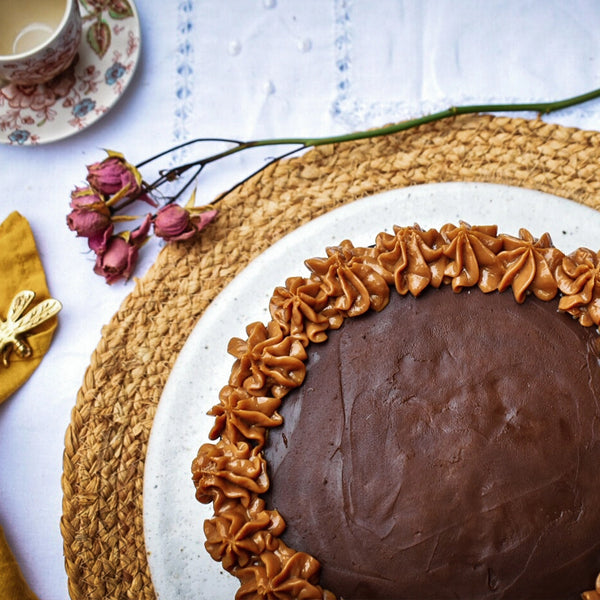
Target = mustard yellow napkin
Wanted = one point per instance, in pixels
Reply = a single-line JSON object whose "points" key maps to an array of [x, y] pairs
{"points": [[12, 584], [21, 269]]}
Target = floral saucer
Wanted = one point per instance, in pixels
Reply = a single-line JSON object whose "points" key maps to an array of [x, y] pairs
{"points": [[107, 58]]}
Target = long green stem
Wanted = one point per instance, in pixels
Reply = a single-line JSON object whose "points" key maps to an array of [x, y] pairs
{"points": [[541, 108]]}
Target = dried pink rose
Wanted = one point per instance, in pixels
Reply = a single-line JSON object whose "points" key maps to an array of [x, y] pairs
{"points": [[116, 255], [117, 261], [172, 221], [90, 215], [114, 175], [99, 241], [175, 223], [86, 197], [87, 223]]}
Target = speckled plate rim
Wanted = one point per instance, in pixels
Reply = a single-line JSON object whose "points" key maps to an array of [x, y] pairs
{"points": [[173, 520], [95, 91]]}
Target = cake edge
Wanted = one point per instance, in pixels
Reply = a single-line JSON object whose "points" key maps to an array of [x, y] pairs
{"points": [[232, 473]]}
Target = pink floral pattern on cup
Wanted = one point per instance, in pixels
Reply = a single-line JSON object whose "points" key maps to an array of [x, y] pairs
{"points": [[103, 66], [42, 65], [39, 66]]}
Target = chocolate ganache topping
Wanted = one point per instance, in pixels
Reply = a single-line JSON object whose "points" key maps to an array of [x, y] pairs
{"points": [[445, 447]]}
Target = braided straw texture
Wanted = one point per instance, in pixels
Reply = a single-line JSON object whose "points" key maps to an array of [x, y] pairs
{"points": [[105, 444]]}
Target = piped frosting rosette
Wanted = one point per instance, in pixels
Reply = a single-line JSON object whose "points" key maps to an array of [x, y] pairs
{"points": [[244, 535]]}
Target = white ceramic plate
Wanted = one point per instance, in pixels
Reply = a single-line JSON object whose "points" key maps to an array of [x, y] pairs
{"points": [[173, 519], [108, 55]]}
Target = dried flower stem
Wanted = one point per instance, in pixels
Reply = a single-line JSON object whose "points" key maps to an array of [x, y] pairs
{"points": [[114, 184], [541, 108]]}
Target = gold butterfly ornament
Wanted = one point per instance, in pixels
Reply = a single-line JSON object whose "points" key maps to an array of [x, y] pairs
{"points": [[19, 322]]}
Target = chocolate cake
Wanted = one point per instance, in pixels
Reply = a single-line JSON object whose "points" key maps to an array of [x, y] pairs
{"points": [[418, 420]]}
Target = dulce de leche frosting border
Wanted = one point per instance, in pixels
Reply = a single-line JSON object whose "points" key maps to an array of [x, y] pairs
{"points": [[232, 472]]}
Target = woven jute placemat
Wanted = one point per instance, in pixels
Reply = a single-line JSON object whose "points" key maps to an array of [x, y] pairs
{"points": [[105, 444]]}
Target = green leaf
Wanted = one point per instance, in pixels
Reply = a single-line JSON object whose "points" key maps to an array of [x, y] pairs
{"points": [[120, 9], [99, 37]]}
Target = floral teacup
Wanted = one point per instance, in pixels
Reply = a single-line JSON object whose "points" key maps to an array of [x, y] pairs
{"points": [[38, 39]]}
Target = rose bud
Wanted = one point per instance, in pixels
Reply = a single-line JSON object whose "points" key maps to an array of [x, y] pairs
{"points": [[87, 223], [117, 261], [174, 223], [114, 174], [88, 199]]}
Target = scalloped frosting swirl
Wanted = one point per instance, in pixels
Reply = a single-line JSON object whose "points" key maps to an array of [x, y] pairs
{"points": [[412, 259], [578, 278], [268, 361], [472, 256], [302, 310], [232, 472], [352, 279], [529, 266]]}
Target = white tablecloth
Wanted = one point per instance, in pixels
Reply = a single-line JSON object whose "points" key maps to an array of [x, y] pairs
{"points": [[251, 69]]}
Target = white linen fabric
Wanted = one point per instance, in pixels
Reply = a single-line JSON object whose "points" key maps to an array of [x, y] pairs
{"points": [[249, 69], [422, 57]]}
